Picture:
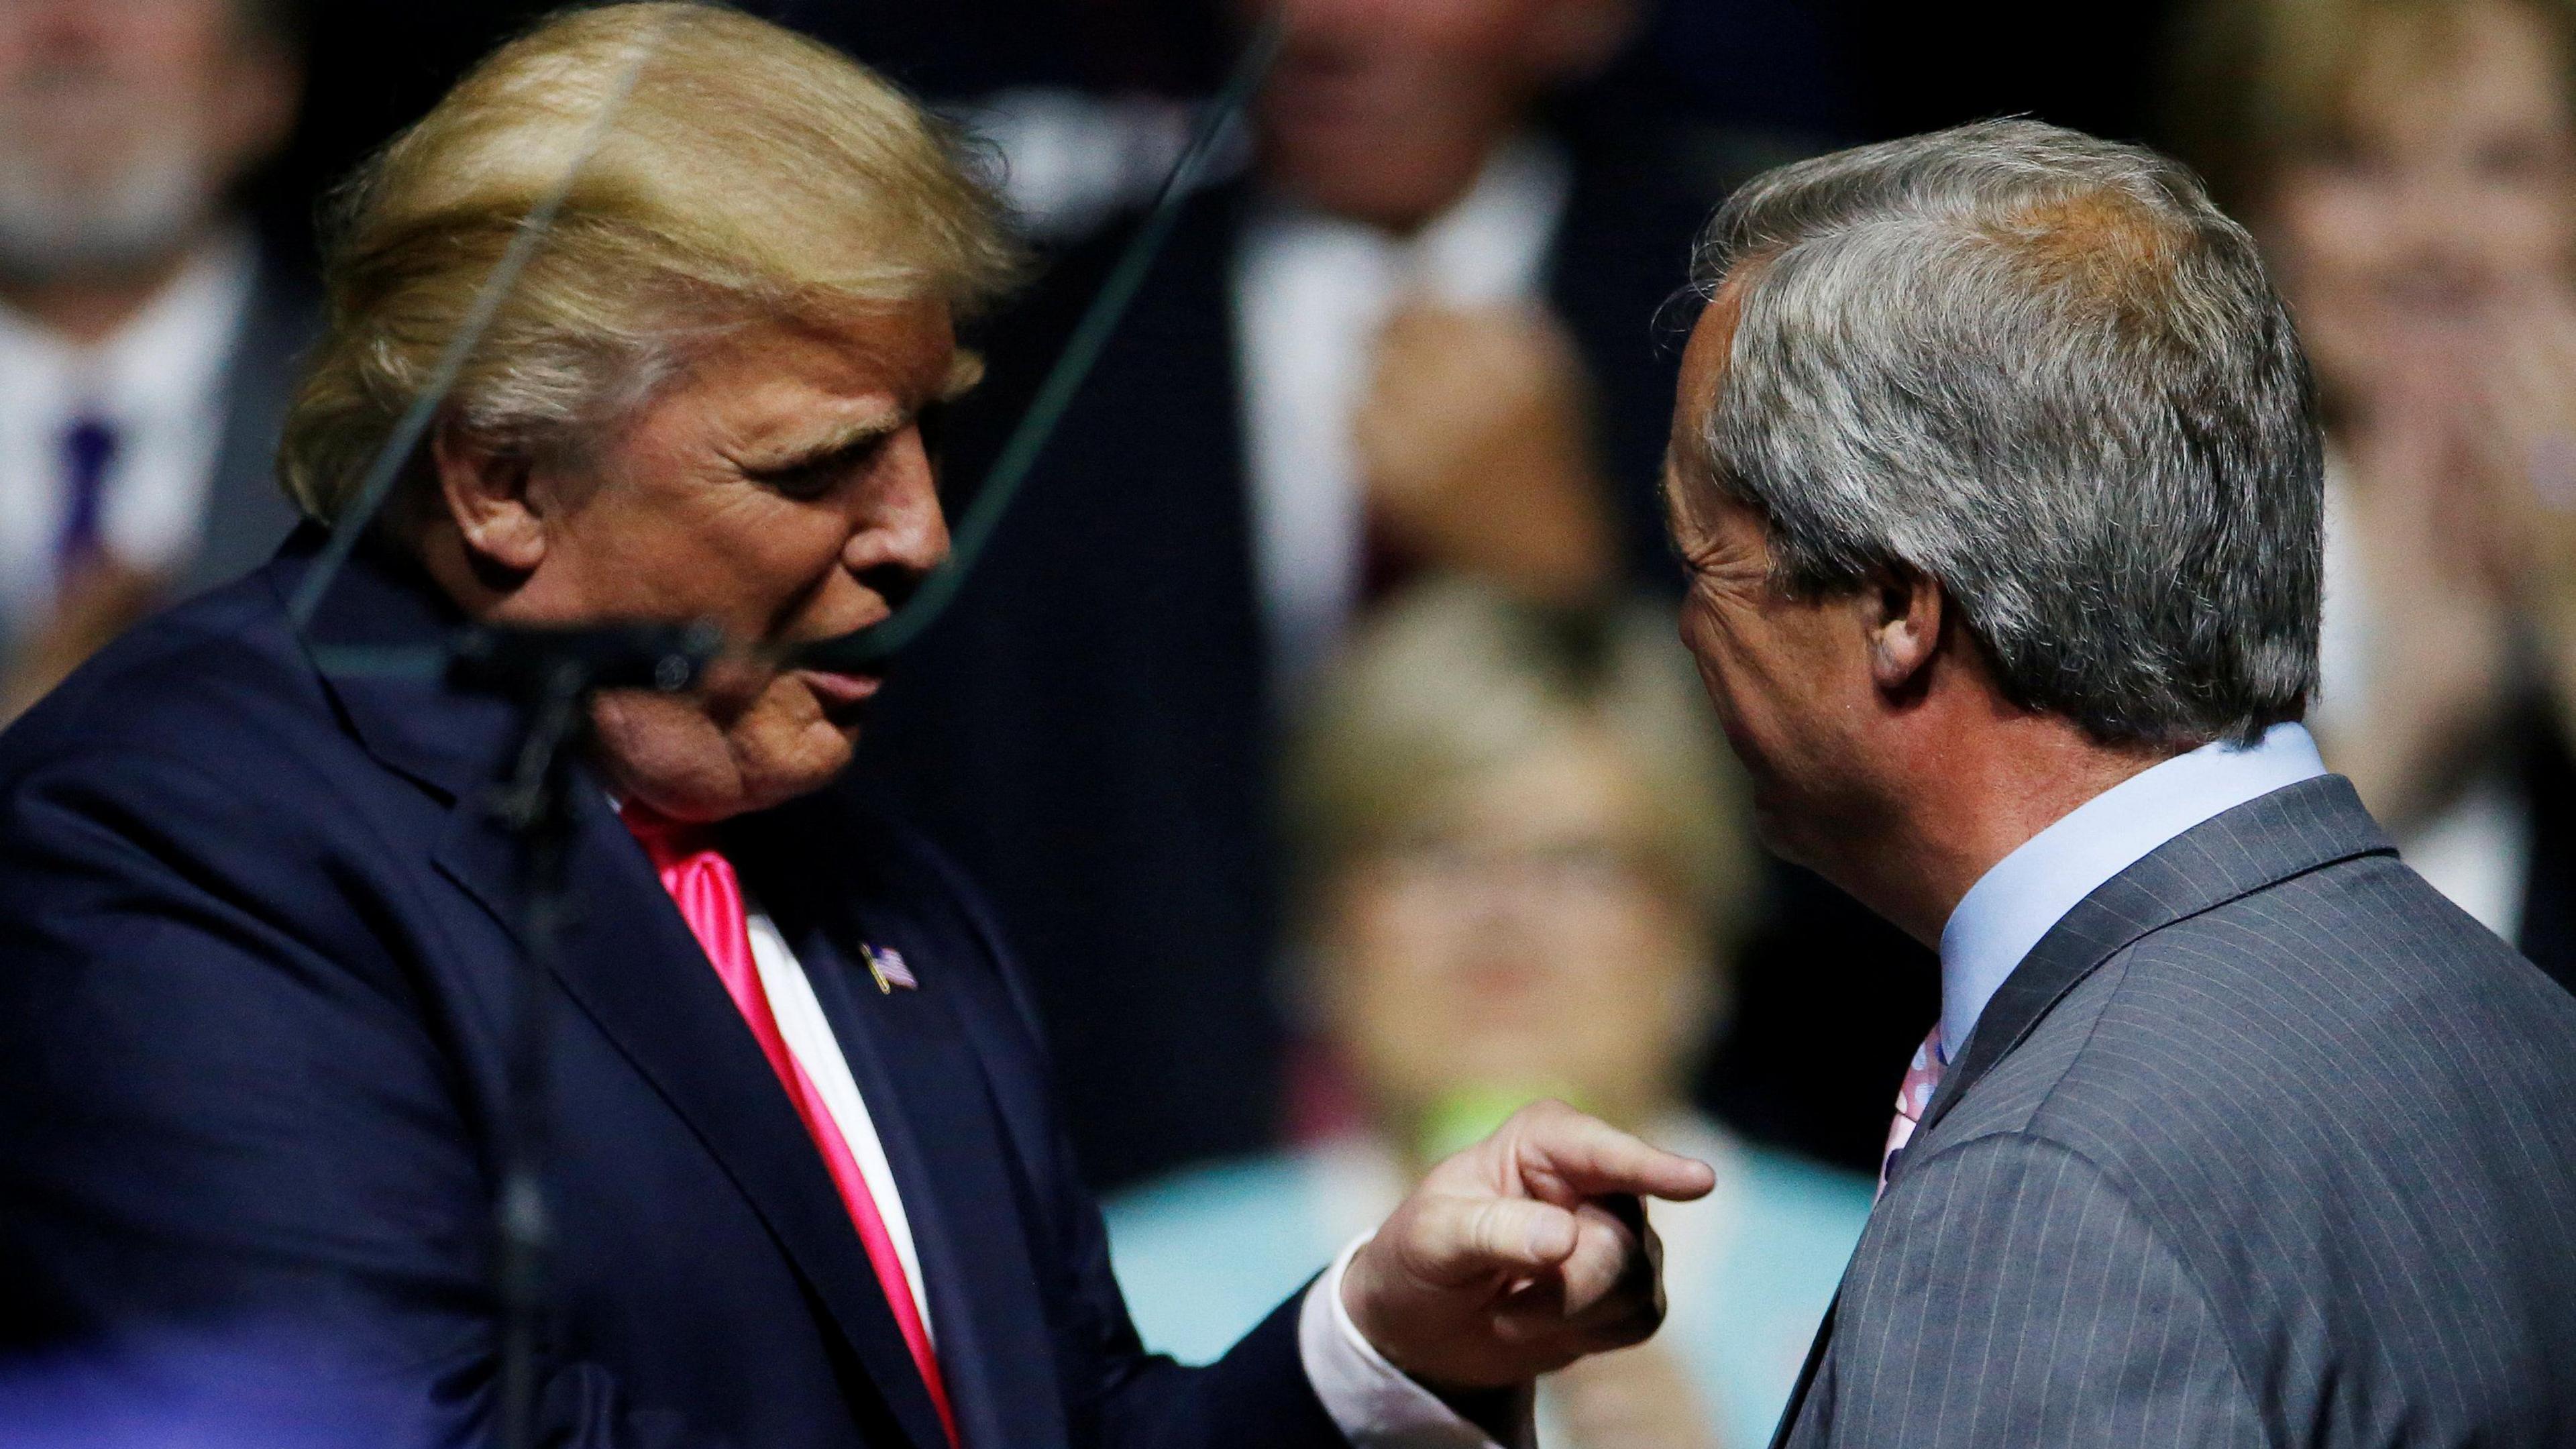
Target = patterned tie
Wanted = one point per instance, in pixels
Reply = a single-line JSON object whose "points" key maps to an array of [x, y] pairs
{"points": [[89, 446], [1913, 1095], [702, 883]]}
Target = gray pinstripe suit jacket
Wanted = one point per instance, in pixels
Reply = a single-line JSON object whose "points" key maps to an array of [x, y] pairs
{"points": [[2264, 1144]]}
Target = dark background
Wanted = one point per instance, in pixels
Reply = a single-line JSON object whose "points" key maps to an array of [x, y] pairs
{"points": [[1833, 70]]}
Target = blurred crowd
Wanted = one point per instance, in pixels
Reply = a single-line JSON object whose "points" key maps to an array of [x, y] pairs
{"points": [[1316, 718]]}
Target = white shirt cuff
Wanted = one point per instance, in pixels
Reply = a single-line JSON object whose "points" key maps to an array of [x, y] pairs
{"points": [[1374, 1403]]}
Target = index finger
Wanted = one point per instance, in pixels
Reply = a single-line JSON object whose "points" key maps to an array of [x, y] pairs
{"points": [[1565, 1157]]}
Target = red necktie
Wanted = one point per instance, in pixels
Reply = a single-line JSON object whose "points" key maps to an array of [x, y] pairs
{"points": [[703, 885]]}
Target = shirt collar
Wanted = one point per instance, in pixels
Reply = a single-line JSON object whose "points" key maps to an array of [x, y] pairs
{"points": [[168, 356], [1490, 247], [2014, 904]]}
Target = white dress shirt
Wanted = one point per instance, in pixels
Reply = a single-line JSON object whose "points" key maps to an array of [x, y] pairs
{"points": [[1311, 292], [159, 384], [808, 1035], [2029, 891], [1373, 1403]]}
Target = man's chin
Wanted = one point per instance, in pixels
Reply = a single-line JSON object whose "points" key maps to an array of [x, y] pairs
{"points": [[1771, 827], [712, 795], [663, 751], [765, 778]]}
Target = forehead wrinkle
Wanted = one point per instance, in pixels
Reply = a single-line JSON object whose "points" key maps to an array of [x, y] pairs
{"points": [[1687, 447]]}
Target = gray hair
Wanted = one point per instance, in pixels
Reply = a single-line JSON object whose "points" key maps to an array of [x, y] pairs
{"points": [[2044, 371]]}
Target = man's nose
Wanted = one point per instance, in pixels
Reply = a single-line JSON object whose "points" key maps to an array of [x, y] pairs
{"points": [[900, 533]]}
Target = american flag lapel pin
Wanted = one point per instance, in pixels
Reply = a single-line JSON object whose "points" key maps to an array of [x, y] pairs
{"points": [[885, 963]]}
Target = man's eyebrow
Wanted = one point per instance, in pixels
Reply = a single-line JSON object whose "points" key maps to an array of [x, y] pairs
{"points": [[833, 442], [854, 435]]}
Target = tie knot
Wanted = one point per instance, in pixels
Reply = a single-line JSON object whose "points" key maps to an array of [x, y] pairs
{"points": [[667, 842], [90, 442], [1922, 1077], [89, 445]]}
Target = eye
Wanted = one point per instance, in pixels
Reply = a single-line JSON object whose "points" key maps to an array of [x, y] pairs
{"points": [[805, 482], [2515, 158], [809, 479]]}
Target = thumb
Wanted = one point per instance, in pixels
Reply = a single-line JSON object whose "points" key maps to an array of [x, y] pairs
{"points": [[1457, 1239]]}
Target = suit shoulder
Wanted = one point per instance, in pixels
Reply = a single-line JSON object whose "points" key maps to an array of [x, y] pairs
{"points": [[2347, 1111], [2337, 1081], [217, 678], [2358, 961], [2235, 1014]]}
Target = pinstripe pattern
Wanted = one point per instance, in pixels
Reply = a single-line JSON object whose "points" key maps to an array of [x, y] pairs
{"points": [[2286, 1155]]}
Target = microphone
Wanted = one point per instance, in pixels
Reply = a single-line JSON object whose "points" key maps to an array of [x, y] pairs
{"points": [[528, 663]]}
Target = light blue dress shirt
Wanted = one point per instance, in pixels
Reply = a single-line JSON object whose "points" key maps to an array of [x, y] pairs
{"points": [[2011, 906]]}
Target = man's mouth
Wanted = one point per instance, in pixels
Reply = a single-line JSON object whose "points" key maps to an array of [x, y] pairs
{"points": [[842, 696]]}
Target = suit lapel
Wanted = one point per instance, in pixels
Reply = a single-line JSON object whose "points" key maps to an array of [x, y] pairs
{"points": [[628, 961], [624, 955], [918, 1069], [2287, 833], [2263, 842], [1804, 1390]]}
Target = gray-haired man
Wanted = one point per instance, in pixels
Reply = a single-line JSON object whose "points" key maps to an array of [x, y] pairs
{"points": [[1996, 474]]}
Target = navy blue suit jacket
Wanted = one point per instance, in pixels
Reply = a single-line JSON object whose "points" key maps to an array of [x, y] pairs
{"points": [[258, 933]]}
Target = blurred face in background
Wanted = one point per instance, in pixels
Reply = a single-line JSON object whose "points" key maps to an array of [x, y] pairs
{"points": [[1514, 943], [121, 124], [1384, 111], [2447, 202]]}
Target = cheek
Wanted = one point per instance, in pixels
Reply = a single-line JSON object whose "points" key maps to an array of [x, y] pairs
{"points": [[2331, 229], [1707, 645], [1401, 939], [1730, 670], [1386, 989], [785, 727], [690, 546], [771, 567], [1474, 36], [2520, 229]]}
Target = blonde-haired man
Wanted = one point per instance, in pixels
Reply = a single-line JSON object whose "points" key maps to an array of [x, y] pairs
{"points": [[261, 928]]}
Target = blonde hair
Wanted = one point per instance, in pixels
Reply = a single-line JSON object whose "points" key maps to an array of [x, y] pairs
{"points": [[749, 173], [2255, 83], [1453, 680]]}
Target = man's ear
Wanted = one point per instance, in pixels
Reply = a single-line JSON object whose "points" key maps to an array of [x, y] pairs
{"points": [[1902, 609], [485, 490]]}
